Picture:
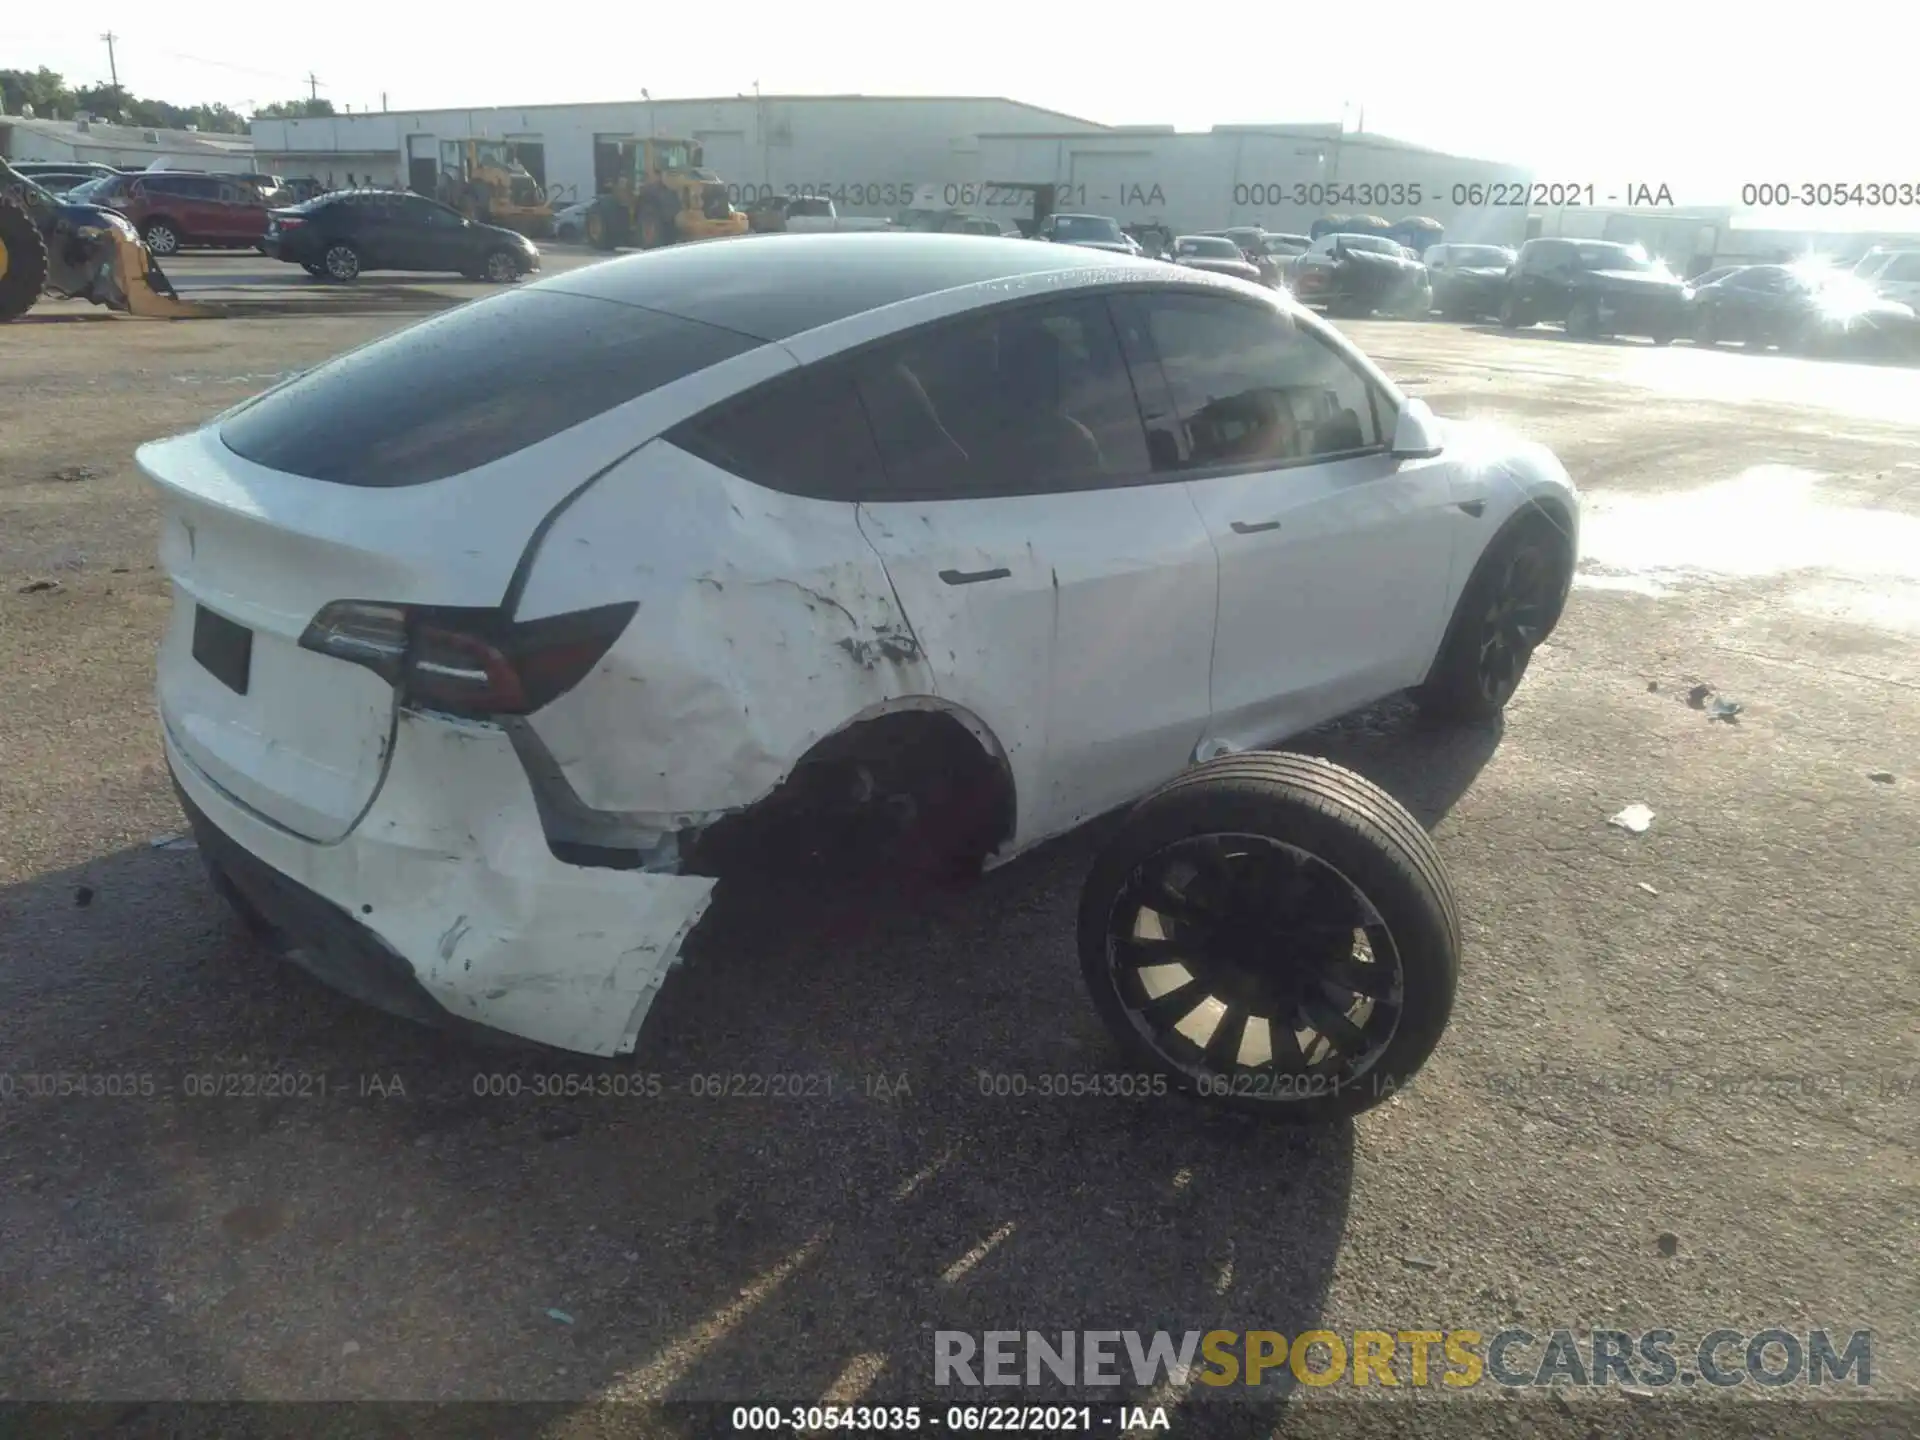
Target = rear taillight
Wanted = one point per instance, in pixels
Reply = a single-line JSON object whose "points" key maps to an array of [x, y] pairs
{"points": [[470, 662], [288, 222]]}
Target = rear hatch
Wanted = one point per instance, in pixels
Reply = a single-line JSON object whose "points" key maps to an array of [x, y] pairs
{"points": [[414, 471], [254, 555]]}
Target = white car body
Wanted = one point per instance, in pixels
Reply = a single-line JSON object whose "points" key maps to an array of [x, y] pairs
{"points": [[832, 222], [571, 222], [1092, 640]]}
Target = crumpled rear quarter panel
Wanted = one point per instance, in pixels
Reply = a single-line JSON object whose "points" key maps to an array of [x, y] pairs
{"points": [[766, 622]]}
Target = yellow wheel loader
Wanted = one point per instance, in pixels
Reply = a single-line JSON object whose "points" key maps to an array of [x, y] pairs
{"points": [[76, 252], [485, 182], [662, 193]]}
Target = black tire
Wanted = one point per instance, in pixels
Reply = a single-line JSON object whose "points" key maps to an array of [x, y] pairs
{"points": [[1458, 687], [340, 261], [24, 250], [602, 231], [162, 237], [1512, 317], [1706, 328], [1583, 319], [1334, 837], [501, 268], [657, 228], [1667, 337]]}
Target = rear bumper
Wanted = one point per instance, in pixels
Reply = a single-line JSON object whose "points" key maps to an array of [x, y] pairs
{"points": [[445, 901]]}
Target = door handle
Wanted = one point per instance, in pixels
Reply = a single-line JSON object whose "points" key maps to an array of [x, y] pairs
{"points": [[974, 577], [1241, 527]]}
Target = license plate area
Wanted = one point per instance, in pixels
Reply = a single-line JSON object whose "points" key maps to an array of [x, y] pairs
{"points": [[224, 649]]}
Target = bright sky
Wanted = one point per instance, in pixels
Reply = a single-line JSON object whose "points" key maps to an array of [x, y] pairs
{"points": [[1686, 93]]}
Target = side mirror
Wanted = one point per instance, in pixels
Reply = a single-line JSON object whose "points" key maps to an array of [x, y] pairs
{"points": [[1416, 433]]}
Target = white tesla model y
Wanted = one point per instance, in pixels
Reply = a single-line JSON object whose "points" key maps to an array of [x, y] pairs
{"points": [[498, 641]]}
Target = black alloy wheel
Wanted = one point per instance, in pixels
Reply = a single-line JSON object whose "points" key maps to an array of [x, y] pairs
{"points": [[1274, 933]]}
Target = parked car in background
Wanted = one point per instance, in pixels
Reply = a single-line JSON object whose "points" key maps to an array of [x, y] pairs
{"points": [[1708, 277], [1809, 309], [1095, 232], [1897, 277], [175, 209], [810, 214], [1154, 239], [1361, 275], [1215, 254], [570, 224], [58, 179], [1754, 305], [343, 235], [1595, 289], [1469, 281]]}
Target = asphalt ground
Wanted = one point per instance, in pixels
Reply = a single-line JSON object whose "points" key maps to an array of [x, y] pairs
{"points": [[1680, 1089]]}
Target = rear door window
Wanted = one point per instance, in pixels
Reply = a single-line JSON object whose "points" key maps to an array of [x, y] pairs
{"points": [[1030, 399], [470, 387]]}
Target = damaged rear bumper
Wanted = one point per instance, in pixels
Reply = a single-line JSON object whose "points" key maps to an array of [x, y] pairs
{"points": [[446, 902]]}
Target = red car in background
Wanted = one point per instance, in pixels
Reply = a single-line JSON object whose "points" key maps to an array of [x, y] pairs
{"points": [[173, 209]]}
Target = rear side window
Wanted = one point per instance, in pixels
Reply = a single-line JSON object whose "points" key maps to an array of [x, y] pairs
{"points": [[1021, 401], [1902, 267], [803, 434], [470, 387]]}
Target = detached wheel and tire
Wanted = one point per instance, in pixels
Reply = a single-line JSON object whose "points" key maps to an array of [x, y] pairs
{"points": [[161, 238], [1511, 603], [341, 262], [1274, 933], [23, 259]]}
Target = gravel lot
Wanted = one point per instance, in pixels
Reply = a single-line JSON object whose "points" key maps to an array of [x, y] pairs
{"points": [[1680, 1089]]}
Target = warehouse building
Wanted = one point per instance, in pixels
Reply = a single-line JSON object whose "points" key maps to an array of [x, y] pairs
{"points": [[125, 147], [871, 153]]}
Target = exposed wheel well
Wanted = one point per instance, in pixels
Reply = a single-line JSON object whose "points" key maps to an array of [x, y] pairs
{"points": [[913, 788]]}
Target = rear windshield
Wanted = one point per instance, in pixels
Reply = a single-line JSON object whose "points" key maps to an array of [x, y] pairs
{"points": [[470, 387]]}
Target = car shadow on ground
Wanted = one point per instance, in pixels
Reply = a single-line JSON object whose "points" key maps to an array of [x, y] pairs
{"points": [[854, 1120]]}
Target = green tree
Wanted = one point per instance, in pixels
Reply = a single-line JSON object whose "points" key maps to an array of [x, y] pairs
{"points": [[43, 89], [294, 109]]}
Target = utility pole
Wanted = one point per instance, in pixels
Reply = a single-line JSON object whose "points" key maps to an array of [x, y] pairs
{"points": [[113, 67], [313, 84]]}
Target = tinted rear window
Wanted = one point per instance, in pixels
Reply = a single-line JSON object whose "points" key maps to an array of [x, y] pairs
{"points": [[805, 434], [470, 387]]}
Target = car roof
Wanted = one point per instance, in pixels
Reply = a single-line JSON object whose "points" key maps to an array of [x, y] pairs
{"points": [[776, 286], [1079, 215]]}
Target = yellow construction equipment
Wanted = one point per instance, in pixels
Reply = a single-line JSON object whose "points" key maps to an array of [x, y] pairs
{"points": [[76, 252], [485, 182], [662, 193]]}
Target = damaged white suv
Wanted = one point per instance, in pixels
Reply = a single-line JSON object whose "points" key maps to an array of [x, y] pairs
{"points": [[497, 641]]}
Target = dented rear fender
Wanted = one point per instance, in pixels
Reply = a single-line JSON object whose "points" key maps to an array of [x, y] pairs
{"points": [[765, 623]]}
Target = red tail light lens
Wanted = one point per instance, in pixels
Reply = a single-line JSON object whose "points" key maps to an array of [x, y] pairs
{"points": [[469, 662]]}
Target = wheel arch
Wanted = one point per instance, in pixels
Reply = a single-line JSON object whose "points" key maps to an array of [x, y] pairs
{"points": [[923, 746], [1538, 504]]}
